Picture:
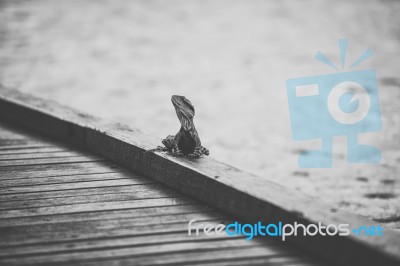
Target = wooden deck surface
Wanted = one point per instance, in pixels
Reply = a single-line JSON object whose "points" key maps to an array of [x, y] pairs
{"points": [[61, 205]]}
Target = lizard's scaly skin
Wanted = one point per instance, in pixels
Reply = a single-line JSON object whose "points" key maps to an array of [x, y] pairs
{"points": [[186, 141]]}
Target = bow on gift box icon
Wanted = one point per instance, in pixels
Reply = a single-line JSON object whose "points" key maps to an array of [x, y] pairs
{"points": [[344, 103]]}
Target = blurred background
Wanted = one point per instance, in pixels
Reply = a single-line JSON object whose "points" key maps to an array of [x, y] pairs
{"points": [[122, 60]]}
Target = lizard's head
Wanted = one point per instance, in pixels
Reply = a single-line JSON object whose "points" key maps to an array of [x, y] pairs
{"points": [[184, 110]]}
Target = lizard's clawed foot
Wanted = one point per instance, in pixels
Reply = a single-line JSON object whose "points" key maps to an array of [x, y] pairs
{"points": [[177, 152], [198, 152], [204, 151]]}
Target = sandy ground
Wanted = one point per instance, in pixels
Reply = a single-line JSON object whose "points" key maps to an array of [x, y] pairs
{"points": [[124, 59]]}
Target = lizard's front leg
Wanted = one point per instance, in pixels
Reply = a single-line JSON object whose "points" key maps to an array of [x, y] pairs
{"points": [[168, 143], [171, 145]]}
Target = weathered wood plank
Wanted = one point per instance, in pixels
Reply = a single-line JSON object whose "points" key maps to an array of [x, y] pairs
{"points": [[15, 172], [86, 228], [41, 155], [90, 244], [122, 227], [148, 191], [105, 214], [32, 150], [94, 206], [140, 251], [70, 186], [24, 147], [96, 191], [36, 181], [47, 161], [242, 194], [12, 143], [241, 256]]}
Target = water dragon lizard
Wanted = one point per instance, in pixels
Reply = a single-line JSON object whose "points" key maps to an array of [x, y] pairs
{"points": [[186, 142]]}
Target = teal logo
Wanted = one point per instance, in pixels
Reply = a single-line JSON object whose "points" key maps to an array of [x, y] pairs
{"points": [[343, 103]]}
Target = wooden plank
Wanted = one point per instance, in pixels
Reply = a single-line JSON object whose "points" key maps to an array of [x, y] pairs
{"points": [[34, 181], [90, 244], [41, 155], [12, 143], [141, 250], [94, 206], [70, 186], [32, 150], [87, 228], [49, 170], [241, 194], [222, 245], [63, 232], [147, 191], [125, 193], [24, 147], [105, 214], [89, 191], [242, 256], [47, 161]]}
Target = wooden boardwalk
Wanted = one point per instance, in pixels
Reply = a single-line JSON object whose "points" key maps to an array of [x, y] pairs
{"points": [[115, 202], [62, 205]]}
